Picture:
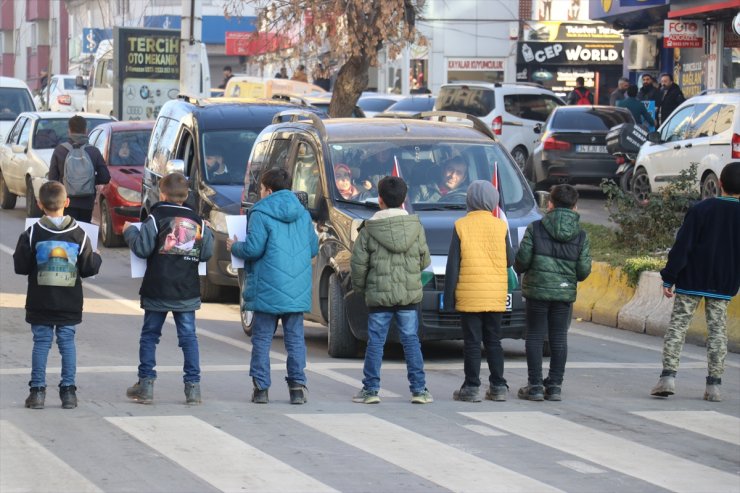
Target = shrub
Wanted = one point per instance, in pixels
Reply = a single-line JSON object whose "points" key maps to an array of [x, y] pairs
{"points": [[636, 265]]}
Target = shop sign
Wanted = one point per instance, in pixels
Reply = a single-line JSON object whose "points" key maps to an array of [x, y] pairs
{"points": [[683, 34], [573, 53], [237, 43], [476, 64]]}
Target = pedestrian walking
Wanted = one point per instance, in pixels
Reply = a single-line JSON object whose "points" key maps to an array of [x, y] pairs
{"points": [[638, 110], [173, 240], [228, 74], [79, 166], [620, 92], [387, 259], [670, 97], [278, 249], [580, 96], [300, 74], [704, 263], [476, 284], [55, 253], [554, 256]]}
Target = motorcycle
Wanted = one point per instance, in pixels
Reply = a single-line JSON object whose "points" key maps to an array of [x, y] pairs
{"points": [[623, 142], [625, 170]]}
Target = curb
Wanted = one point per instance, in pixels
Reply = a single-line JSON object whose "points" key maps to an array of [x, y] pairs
{"points": [[606, 298]]}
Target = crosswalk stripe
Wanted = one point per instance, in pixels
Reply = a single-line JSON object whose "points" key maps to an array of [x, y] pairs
{"points": [[218, 458], [633, 459], [434, 461], [27, 466], [708, 423]]}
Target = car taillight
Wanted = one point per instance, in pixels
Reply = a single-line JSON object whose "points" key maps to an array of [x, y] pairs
{"points": [[552, 144], [735, 146], [497, 124], [65, 99]]}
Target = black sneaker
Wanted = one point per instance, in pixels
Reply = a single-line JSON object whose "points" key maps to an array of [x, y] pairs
{"points": [[298, 393], [552, 392], [68, 396], [497, 393], [467, 394], [259, 396], [532, 393], [192, 393], [36, 398]]}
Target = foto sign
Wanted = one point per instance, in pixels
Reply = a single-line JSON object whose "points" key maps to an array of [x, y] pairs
{"points": [[683, 34]]}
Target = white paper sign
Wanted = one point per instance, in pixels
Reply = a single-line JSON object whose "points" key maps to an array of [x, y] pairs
{"points": [[138, 264], [237, 226], [91, 230]]}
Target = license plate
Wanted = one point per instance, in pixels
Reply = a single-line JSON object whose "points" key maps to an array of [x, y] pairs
{"points": [[591, 149], [509, 302]]}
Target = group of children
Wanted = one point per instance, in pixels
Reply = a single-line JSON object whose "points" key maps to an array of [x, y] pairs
{"points": [[388, 257]]}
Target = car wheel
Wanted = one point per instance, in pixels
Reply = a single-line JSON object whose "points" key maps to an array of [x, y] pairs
{"points": [[247, 316], [342, 344], [710, 186], [110, 239], [32, 208], [7, 198], [520, 155], [641, 185], [625, 181], [209, 292]]}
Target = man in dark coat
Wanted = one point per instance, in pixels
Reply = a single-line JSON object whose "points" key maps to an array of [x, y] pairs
{"points": [[648, 91], [671, 97]]}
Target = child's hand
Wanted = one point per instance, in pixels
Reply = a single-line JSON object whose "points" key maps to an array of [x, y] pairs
{"points": [[668, 292], [230, 242], [126, 225]]}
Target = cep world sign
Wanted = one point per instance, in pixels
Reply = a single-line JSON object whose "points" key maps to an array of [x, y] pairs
{"points": [[570, 53]]}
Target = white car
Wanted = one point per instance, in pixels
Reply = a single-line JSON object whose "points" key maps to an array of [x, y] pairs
{"points": [[704, 130], [15, 98], [514, 112], [64, 94], [25, 154]]}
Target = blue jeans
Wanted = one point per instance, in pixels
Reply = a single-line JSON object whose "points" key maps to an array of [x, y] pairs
{"points": [[43, 336], [265, 325], [378, 324], [151, 332]]}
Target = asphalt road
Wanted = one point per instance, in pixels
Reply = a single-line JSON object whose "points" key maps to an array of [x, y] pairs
{"points": [[607, 435]]}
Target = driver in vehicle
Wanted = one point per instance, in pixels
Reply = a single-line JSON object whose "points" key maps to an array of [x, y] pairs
{"points": [[216, 168], [453, 180], [343, 180]]}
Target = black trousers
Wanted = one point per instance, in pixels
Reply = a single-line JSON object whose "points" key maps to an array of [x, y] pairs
{"points": [[483, 327], [82, 215], [551, 318]]}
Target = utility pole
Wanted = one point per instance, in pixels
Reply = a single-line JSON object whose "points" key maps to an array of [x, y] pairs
{"points": [[192, 63]]}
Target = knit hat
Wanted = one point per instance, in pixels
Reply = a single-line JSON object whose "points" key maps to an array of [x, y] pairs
{"points": [[482, 196]]}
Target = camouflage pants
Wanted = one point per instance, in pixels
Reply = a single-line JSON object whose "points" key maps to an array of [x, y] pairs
{"points": [[683, 310]]}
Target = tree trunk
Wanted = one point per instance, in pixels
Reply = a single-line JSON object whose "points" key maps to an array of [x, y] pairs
{"points": [[351, 81]]}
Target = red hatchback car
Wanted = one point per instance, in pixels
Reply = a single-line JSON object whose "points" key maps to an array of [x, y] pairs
{"points": [[124, 146]]}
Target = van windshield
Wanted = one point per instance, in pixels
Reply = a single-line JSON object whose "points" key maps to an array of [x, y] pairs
{"points": [[13, 101], [437, 173], [225, 155]]}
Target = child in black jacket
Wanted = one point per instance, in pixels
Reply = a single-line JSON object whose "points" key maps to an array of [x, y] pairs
{"points": [[55, 253]]}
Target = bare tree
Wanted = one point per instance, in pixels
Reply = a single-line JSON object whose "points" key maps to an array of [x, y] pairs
{"points": [[354, 30]]}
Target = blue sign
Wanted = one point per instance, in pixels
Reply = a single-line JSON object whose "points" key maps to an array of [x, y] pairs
{"points": [[91, 38], [214, 26]]}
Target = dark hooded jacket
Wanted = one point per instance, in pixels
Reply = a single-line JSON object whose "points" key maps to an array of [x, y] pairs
{"points": [[56, 168], [553, 256]]}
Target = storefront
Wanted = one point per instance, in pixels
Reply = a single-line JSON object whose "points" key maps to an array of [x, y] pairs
{"points": [[475, 69], [554, 54]]}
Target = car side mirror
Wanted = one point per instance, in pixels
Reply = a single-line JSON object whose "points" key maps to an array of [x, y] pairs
{"points": [[175, 166], [537, 128], [18, 149], [654, 137], [80, 82], [543, 198]]}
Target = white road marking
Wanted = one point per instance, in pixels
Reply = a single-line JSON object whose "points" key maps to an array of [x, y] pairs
{"points": [[216, 457], [633, 459], [581, 467], [486, 431], [708, 423], [434, 461], [26, 466]]}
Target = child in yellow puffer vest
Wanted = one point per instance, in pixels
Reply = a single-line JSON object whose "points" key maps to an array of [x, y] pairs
{"points": [[476, 284]]}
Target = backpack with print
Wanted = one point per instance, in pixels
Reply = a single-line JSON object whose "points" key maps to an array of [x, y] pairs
{"points": [[79, 172], [584, 98]]}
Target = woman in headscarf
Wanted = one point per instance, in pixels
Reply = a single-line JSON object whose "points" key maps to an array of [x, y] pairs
{"points": [[343, 180]]}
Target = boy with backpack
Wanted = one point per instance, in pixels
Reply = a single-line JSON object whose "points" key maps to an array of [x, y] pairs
{"points": [[554, 256], [79, 167], [387, 259], [55, 253], [173, 240], [580, 96]]}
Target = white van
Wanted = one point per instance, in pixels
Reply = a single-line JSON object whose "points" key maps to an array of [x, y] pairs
{"points": [[15, 98]]}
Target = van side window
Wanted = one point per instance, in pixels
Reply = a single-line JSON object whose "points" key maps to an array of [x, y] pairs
{"points": [[160, 150], [306, 173], [278, 154], [275, 157], [254, 167], [16, 132], [704, 118], [186, 152], [725, 117], [678, 124], [25, 133]]}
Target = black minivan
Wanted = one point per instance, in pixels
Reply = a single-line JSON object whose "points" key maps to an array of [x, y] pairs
{"points": [[311, 150], [186, 134]]}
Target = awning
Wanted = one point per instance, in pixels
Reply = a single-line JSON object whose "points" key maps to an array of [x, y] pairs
{"points": [[713, 7]]}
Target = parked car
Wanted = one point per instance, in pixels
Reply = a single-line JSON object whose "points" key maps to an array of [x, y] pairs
{"points": [[704, 130], [123, 146], [309, 148], [64, 94], [186, 132], [26, 154], [411, 105], [512, 111], [15, 98], [573, 146], [373, 103]]}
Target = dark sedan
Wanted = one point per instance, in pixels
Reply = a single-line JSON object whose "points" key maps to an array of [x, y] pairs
{"points": [[573, 146]]}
